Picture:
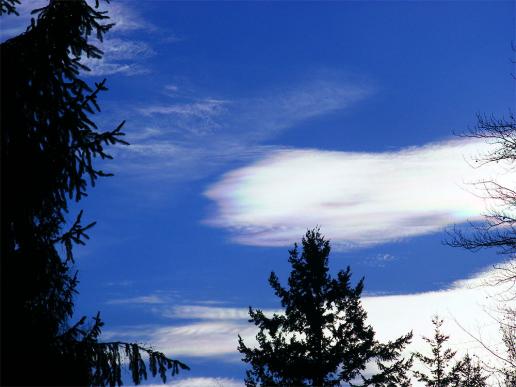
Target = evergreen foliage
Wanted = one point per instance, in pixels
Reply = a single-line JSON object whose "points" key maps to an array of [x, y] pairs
{"points": [[439, 362], [468, 373], [323, 338], [48, 147], [8, 6]]}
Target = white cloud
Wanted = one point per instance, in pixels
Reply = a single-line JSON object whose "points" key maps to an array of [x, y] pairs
{"points": [[100, 67], [358, 199], [466, 302], [121, 56], [203, 382], [210, 338], [179, 160], [126, 18], [119, 49], [151, 299], [204, 108], [194, 136], [380, 260], [210, 312], [172, 88]]}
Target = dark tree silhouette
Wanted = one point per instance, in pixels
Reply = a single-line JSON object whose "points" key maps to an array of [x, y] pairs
{"points": [[507, 373], [442, 372], [323, 338], [468, 373], [48, 146], [498, 231], [8, 6]]}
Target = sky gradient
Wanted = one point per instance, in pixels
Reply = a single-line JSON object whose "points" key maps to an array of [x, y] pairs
{"points": [[250, 123]]}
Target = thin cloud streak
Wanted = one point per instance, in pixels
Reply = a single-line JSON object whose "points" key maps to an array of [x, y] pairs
{"points": [[190, 138], [359, 199], [152, 299], [214, 333], [121, 56], [211, 313], [206, 338], [202, 382]]}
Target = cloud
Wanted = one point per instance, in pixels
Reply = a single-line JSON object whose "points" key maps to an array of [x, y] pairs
{"points": [[467, 302], [121, 56], [210, 312], [203, 382], [151, 299], [126, 18], [124, 52], [359, 199], [380, 260], [209, 338], [178, 161], [260, 117], [193, 136], [206, 107]]}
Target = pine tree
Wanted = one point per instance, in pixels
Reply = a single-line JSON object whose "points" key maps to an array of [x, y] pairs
{"points": [[323, 338], [48, 147], [439, 362], [467, 373]]}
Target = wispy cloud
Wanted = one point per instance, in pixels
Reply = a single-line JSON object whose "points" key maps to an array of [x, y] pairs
{"points": [[261, 117], [359, 199], [121, 56], [126, 18], [380, 260], [122, 53], [197, 135], [214, 333], [148, 300], [208, 107], [203, 382], [210, 312], [199, 339]]}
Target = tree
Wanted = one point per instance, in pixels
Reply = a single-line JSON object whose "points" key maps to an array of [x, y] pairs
{"points": [[498, 231], [439, 361], [507, 372], [468, 373], [463, 373], [48, 147], [323, 338]]}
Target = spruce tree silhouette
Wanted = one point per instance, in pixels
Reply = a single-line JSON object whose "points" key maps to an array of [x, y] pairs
{"points": [[468, 373], [442, 372], [48, 147], [322, 339]]}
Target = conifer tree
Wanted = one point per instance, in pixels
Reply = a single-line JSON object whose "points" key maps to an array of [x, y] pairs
{"points": [[323, 338], [48, 147], [439, 362], [468, 373]]}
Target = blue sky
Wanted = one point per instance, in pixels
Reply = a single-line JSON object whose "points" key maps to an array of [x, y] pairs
{"points": [[251, 122]]}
